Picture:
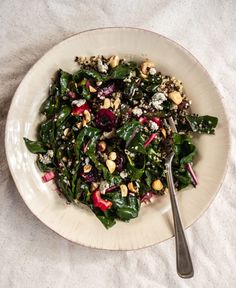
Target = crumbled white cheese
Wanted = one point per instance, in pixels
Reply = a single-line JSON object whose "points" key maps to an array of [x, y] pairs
{"points": [[131, 74], [86, 160], [103, 186], [123, 174], [102, 67], [50, 153], [152, 71], [153, 126], [79, 102], [157, 100], [137, 111], [45, 159]]}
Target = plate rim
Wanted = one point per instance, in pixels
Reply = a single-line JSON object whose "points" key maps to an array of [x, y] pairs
{"points": [[228, 134]]}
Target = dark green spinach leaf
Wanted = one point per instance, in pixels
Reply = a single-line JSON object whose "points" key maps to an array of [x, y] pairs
{"points": [[202, 124], [34, 146]]}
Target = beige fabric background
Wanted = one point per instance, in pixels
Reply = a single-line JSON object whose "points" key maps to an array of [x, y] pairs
{"points": [[31, 255]]}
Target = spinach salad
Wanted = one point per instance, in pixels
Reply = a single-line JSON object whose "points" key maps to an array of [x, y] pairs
{"points": [[104, 135]]}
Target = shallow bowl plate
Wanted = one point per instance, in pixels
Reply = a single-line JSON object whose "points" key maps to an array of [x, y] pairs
{"points": [[79, 224]]}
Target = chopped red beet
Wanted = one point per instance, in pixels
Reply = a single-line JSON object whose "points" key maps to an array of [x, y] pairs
{"points": [[147, 197], [192, 174], [87, 84], [99, 202], [105, 120], [78, 110], [157, 121], [107, 91], [72, 95], [143, 120], [150, 139], [112, 188], [48, 176]]}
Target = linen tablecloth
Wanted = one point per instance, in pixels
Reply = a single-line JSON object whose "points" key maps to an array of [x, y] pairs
{"points": [[31, 255]]}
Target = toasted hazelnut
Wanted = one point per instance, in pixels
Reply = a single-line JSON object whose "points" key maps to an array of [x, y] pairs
{"points": [[87, 168], [64, 159], [87, 116], [99, 83], [107, 103], [93, 186], [114, 61], [124, 190], [112, 156], [102, 146], [163, 132], [117, 103], [176, 97], [92, 89], [66, 131], [144, 76], [145, 67], [111, 165], [157, 185], [132, 188], [84, 123], [79, 125]]}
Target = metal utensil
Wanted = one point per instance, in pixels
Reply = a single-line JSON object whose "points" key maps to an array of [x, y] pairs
{"points": [[183, 258]]}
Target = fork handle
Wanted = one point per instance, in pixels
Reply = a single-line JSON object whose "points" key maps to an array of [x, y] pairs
{"points": [[183, 258]]}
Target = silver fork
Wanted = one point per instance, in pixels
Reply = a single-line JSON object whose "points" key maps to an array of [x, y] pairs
{"points": [[183, 258]]}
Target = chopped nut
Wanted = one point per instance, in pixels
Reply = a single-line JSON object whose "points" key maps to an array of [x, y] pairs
{"points": [[157, 185], [143, 75], [132, 188], [87, 116], [92, 89], [99, 83], [112, 156], [163, 132], [114, 61], [145, 67], [111, 165], [93, 186], [79, 125], [124, 190], [66, 131], [102, 146], [84, 123], [107, 103], [87, 168], [117, 103], [64, 159], [176, 97]]}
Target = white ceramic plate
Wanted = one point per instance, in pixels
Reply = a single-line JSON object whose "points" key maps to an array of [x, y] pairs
{"points": [[154, 223]]}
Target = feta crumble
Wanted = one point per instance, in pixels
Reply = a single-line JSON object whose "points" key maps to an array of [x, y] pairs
{"points": [[103, 186], [50, 153], [79, 102], [137, 111], [102, 67], [153, 126], [157, 100], [123, 174], [152, 71]]}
